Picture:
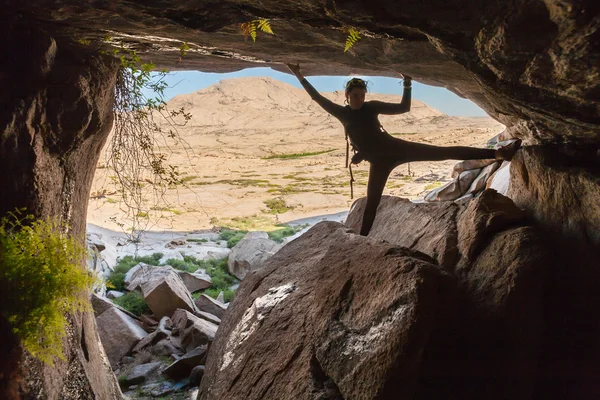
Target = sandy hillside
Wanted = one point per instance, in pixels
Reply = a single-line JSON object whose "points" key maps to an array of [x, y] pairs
{"points": [[237, 157]]}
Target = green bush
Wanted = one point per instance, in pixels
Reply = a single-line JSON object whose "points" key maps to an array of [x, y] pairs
{"points": [[42, 279], [134, 303], [214, 293], [232, 236]]}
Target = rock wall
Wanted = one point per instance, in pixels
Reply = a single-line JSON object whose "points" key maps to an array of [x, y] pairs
{"points": [[56, 115], [560, 189], [362, 319]]}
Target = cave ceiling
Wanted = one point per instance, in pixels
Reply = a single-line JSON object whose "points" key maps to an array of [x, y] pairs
{"points": [[532, 65]]}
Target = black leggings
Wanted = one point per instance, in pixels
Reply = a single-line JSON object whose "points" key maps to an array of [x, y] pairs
{"points": [[398, 152]]}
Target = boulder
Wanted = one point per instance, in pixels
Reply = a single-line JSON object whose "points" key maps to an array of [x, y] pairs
{"points": [[196, 375], [166, 293], [184, 366], [480, 182], [119, 333], [221, 297], [209, 305], [495, 325], [195, 281], [193, 331], [455, 188], [113, 294], [141, 373], [101, 304], [167, 347], [143, 273], [429, 227], [250, 253], [150, 340], [208, 317], [322, 321], [500, 180]]}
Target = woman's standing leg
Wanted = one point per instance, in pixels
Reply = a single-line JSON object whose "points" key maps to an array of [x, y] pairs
{"points": [[378, 175]]}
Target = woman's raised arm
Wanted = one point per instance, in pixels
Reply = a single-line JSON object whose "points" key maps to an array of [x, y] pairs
{"points": [[328, 105], [396, 108]]}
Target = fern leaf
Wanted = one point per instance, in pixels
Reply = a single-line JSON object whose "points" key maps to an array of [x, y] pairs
{"points": [[264, 25], [353, 37], [249, 29]]}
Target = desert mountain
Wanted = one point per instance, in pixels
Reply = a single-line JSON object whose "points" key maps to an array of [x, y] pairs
{"points": [[253, 140]]}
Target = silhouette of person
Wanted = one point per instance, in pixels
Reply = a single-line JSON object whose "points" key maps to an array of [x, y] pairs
{"points": [[383, 151]]}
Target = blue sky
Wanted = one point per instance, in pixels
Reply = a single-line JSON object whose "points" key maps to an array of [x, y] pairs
{"points": [[183, 82]]}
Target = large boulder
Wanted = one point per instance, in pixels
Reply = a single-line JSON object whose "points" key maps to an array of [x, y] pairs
{"points": [[185, 364], [195, 281], [193, 331], [250, 253], [321, 320], [119, 333], [166, 293], [211, 306], [498, 261], [143, 273]]}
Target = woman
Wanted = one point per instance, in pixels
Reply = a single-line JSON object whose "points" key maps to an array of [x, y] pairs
{"points": [[383, 151]]}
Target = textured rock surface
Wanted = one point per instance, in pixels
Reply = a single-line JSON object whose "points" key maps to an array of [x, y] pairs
{"points": [[55, 117], [250, 253], [167, 293], [209, 305], [532, 65], [496, 312], [193, 331], [560, 190], [320, 320], [196, 281], [119, 333]]}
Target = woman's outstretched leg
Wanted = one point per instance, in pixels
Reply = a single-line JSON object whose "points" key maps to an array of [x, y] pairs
{"points": [[378, 175], [410, 151]]}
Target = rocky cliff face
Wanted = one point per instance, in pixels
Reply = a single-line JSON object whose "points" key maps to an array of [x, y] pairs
{"points": [[533, 65], [55, 117]]}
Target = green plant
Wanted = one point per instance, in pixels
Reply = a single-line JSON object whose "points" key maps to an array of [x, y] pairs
{"points": [[42, 279], [214, 293], [250, 28], [134, 303], [232, 236], [140, 124], [352, 38], [277, 206], [296, 155]]}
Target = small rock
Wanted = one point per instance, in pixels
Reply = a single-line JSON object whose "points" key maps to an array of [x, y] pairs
{"points": [[165, 323], [184, 366], [157, 389], [196, 375], [127, 360], [141, 372], [167, 348], [221, 297], [113, 294]]}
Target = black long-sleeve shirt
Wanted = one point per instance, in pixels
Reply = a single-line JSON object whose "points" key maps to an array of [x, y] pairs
{"points": [[362, 126]]}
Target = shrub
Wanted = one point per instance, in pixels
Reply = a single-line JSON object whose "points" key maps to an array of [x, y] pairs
{"points": [[134, 303], [214, 293], [232, 236], [41, 280]]}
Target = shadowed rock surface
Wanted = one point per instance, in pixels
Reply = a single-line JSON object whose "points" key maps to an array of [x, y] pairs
{"points": [[320, 320]]}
